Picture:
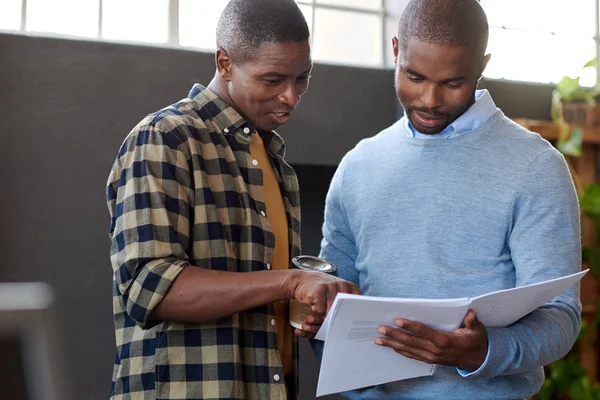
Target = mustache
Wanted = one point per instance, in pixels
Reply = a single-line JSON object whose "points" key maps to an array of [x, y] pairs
{"points": [[427, 111]]}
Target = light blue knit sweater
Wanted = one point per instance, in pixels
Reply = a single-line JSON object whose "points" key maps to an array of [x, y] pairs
{"points": [[489, 210]]}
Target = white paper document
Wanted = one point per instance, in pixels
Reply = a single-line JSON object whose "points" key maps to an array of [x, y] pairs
{"points": [[352, 360]]}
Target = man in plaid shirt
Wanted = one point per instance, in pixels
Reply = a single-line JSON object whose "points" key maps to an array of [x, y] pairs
{"points": [[205, 217]]}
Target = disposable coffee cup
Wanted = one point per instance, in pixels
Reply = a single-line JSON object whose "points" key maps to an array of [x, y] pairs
{"points": [[299, 311]]}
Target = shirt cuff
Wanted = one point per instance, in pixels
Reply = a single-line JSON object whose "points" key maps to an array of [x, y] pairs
{"points": [[149, 288], [487, 369]]}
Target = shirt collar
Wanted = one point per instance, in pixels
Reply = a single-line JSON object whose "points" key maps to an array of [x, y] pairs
{"points": [[228, 121], [475, 116]]}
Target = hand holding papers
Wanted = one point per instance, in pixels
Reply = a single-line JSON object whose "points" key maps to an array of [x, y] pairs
{"points": [[351, 360]]}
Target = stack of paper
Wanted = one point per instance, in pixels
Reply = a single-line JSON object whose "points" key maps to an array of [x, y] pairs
{"points": [[352, 360]]}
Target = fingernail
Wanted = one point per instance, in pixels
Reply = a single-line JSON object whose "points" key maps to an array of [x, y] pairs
{"points": [[378, 342], [310, 319], [398, 323], [381, 330]]}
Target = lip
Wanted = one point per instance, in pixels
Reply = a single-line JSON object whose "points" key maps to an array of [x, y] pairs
{"points": [[280, 119], [427, 120]]}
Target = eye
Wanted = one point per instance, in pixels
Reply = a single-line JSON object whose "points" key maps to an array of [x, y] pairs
{"points": [[273, 82], [304, 78], [454, 85], [415, 78]]}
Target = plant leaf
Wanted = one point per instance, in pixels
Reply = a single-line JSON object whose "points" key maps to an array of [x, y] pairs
{"points": [[555, 108], [591, 255], [591, 63], [571, 146], [590, 201], [582, 330], [567, 87], [546, 391]]}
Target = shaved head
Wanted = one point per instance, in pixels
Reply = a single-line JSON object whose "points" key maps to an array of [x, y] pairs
{"points": [[445, 23], [247, 24]]}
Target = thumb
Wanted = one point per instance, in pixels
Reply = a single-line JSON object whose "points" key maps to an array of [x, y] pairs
{"points": [[470, 320]]}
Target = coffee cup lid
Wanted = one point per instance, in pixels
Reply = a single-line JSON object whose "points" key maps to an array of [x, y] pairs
{"points": [[312, 263]]}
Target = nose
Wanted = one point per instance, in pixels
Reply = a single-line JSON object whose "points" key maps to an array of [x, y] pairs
{"points": [[431, 97], [290, 95]]}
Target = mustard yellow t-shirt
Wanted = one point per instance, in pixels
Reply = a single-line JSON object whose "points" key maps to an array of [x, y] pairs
{"points": [[278, 220]]}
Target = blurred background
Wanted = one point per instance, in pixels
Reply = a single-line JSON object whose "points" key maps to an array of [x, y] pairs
{"points": [[77, 75]]}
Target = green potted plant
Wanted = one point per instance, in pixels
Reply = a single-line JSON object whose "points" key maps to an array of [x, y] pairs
{"points": [[566, 379], [574, 104]]}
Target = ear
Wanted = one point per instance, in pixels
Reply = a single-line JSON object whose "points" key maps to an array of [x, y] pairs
{"points": [[395, 48], [224, 64], [484, 64]]}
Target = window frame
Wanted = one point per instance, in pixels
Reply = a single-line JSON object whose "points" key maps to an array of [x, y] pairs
{"points": [[382, 13]]}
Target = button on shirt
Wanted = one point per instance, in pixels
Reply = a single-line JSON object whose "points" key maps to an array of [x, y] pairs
{"points": [[281, 258], [183, 193], [476, 115]]}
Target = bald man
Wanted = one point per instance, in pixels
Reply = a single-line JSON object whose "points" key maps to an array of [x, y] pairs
{"points": [[456, 200], [205, 217]]}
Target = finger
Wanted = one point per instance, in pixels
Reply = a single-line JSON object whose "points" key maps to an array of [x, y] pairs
{"points": [[315, 319], [417, 329], [355, 290], [407, 338], [406, 350], [331, 293], [301, 333], [346, 287], [311, 328], [319, 304], [470, 320]]}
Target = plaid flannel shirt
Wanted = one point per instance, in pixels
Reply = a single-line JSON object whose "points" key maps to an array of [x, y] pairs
{"points": [[183, 192]]}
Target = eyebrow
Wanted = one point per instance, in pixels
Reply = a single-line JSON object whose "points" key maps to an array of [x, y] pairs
{"points": [[274, 74], [453, 79]]}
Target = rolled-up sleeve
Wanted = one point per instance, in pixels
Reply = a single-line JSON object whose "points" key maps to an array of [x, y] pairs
{"points": [[149, 194]]}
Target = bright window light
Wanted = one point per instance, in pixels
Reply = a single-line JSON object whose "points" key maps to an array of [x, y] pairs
{"points": [[10, 15], [199, 32], [364, 4], [136, 20], [574, 17], [530, 40], [344, 37], [541, 40], [307, 12], [394, 8], [66, 17]]}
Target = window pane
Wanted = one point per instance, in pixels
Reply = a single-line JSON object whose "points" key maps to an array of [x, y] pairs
{"points": [[68, 17], [395, 8], [307, 11], [204, 35], [350, 38], [10, 14], [559, 16], [391, 30], [541, 57], [364, 4], [136, 20], [195, 33]]}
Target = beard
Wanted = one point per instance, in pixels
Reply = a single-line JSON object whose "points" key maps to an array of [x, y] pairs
{"points": [[442, 118]]}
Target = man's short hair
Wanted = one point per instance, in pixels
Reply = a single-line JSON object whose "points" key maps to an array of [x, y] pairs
{"points": [[445, 23], [246, 24]]}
